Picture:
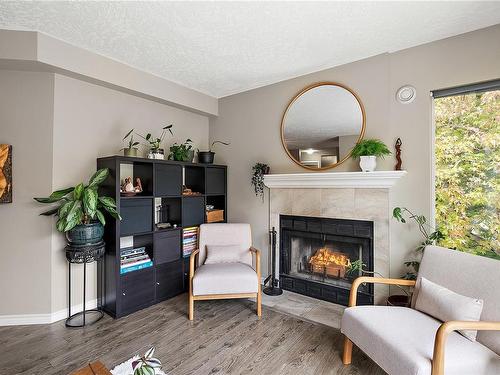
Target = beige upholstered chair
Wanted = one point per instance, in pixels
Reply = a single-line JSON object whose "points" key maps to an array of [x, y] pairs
{"points": [[223, 280], [405, 341]]}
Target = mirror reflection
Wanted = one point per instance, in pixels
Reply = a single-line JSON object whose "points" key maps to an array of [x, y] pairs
{"points": [[321, 125]]}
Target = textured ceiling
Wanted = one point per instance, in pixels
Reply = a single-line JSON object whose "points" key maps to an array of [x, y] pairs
{"points": [[221, 48]]}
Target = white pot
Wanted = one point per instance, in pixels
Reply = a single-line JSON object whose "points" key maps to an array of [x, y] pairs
{"points": [[368, 163]]}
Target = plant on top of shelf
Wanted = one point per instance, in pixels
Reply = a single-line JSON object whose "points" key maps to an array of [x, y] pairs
{"points": [[207, 157], [80, 210], [430, 235], [258, 172], [182, 152], [131, 150], [154, 143], [368, 150]]}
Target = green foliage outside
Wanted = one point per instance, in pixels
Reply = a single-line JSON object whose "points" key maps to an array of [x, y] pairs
{"points": [[467, 172]]}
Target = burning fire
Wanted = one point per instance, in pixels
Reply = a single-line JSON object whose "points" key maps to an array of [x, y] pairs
{"points": [[329, 262]]}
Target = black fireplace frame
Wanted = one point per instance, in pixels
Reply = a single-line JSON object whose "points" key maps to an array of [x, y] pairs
{"points": [[359, 230]]}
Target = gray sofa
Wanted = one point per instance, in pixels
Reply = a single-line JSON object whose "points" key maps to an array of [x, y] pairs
{"points": [[405, 341]]}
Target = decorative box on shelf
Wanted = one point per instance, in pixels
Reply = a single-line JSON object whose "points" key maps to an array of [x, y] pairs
{"points": [[214, 216]]}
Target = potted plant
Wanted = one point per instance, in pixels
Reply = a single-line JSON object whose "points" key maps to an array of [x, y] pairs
{"points": [[182, 152], [258, 172], [431, 237], [80, 210], [146, 365], [368, 150], [207, 157], [131, 150], [357, 268], [155, 150]]}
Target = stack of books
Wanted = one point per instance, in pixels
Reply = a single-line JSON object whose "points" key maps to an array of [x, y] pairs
{"points": [[134, 259], [189, 240]]}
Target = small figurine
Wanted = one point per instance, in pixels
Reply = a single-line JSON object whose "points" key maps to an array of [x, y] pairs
{"points": [[128, 188], [398, 154]]}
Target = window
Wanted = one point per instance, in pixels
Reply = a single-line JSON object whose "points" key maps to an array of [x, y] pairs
{"points": [[467, 163]]}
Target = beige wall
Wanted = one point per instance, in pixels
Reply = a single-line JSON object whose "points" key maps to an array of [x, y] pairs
{"points": [[250, 121], [90, 121], [26, 123]]}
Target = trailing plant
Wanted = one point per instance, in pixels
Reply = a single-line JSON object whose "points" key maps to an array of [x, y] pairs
{"points": [[146, 364], [370, 147], [131, 142], [155, 143], [180, 152], [80, 204], [258, 172], [430, 235], [215, 142]]}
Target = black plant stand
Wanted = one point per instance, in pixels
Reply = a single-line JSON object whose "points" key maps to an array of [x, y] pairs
{"points": [[83, 254]]}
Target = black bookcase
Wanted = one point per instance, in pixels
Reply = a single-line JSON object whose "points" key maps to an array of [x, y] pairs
{"points": [[122, 294]]}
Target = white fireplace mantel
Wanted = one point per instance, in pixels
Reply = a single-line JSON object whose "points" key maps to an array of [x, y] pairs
{"points": [[367, 180]]}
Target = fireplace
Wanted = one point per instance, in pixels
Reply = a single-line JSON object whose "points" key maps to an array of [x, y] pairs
{"points": [[316, 255]]}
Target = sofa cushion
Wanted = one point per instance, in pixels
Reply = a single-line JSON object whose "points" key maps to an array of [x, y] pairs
{"points": [[401, 341], [444, 304], [224, 278], [470, 275], [225, 254]]}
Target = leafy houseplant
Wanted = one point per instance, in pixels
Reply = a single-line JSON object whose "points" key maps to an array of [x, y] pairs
{"points": [[182, 152], [146, 365], [80, 210], [207, 157], [155, 150], [131, 150], [258, 172], [368, 150], [430, 235]]}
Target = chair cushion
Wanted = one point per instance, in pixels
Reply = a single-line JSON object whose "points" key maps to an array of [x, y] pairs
{"points": [[225, 254], [444, 304], [401, 341], [224, 278]]}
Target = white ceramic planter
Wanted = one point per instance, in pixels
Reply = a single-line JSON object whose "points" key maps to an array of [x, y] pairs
{"points": [[368, 163]]}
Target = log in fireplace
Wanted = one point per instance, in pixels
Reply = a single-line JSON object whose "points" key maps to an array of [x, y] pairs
{"points": [[316, 255]]}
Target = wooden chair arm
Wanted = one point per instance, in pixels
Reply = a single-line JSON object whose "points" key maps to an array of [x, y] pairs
{"points": [[442, 334], [192, 259], [374, 280], [257, 261]]}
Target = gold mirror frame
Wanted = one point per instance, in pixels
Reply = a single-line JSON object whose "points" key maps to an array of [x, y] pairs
{"points": [[298, 95]]}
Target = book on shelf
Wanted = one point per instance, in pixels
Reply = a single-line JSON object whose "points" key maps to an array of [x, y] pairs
{"points": [[136, 267], [189, 240]]}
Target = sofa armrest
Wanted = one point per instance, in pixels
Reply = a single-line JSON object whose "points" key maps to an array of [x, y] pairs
{"points": [[257, 261], [374, 280], [442, 334]]}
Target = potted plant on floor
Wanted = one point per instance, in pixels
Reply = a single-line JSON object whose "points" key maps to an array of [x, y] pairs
{"points": [[368, 150], [154, 143], [258, 172], [207, 157], [80, 210], [131, 150], [182, 152]]}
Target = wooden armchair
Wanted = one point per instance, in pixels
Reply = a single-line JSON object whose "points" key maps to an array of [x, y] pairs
{"points": [[225, 280], [406, 341]]}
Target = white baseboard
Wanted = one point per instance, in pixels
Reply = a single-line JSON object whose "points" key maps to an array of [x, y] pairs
{"points": [[28, 319]]}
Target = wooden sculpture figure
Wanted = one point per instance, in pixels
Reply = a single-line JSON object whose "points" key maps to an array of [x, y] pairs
{"points": [[398, 154]]}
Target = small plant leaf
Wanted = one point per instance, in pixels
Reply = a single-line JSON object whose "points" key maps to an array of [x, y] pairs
{"points": [[149, 353], [90, 201], [101, 217], [59, 194], [78, 191], [130, 132], [50, 212], [98, 177], [108, 202]]}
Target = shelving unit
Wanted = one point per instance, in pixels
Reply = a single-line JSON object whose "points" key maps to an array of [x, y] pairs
{"points": [[162, 183]]}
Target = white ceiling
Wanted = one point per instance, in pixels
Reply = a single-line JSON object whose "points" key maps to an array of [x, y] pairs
{"points": [[222, 48]]}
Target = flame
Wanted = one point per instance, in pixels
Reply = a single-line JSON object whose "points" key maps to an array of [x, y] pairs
{"points": [[325, 257]]}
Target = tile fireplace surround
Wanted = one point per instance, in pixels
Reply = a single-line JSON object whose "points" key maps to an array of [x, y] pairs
{"points": [[341, 195]]}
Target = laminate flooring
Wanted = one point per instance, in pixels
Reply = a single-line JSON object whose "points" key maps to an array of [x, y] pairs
{"points": [[226, 337]]}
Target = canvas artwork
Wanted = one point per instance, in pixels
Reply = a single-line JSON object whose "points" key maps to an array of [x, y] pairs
{"points": [[5, 173]]}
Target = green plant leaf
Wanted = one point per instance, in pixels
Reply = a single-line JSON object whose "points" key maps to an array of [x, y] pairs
{"points": [[100, 216], [78, 191], [108, 202], [130, 132], [64, 209], [98, 177], [70, 224], [113, 212], [61, 223], [50, 212], [90, 201], [73, 210]]}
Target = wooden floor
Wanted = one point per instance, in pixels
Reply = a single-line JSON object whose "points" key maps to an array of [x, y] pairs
{"points": [[225, 338]]}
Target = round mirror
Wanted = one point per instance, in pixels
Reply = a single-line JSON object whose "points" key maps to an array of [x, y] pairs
{"points": [[322, 124]]}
